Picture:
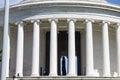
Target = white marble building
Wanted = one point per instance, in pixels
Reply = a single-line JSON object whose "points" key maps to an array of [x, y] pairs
{"points": [[87, 32]]}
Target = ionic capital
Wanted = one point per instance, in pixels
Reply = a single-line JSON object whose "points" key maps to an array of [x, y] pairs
{"points": [[74, 20], [38, 21], [19, 23], [50, 20], [103, 22], [117, 26], [89, 20]]}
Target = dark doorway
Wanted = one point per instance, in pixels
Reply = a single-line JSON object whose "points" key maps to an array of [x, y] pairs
{"points": [[47, 54], [63, 50], [78, 52]]}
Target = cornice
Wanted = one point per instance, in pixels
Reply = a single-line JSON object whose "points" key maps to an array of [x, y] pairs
{"points": [[57, 5], [77, 4], [28, 1]]}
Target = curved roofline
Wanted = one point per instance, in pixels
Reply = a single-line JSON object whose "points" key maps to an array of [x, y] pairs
{"points": [[102, 4], [106, 6], [40, 6], [27, 1], [88, 2]]}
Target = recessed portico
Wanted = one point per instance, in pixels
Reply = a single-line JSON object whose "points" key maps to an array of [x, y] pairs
{"points": [[82, 61], [76, 39]]}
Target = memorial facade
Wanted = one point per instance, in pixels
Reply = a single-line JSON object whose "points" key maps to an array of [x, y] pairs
{"points": [[62, 38]]}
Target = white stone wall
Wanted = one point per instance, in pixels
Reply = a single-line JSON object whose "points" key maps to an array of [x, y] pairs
{"points": [[13, 47], [42, 49], [28, 39], [97, 48], [113, 51]]}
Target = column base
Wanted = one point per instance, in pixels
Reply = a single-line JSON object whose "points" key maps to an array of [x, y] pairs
{"points": [[35, 75], [16, 79], [53, 75], [71, 75], [107, 75], [118, 76], [92, 75]]}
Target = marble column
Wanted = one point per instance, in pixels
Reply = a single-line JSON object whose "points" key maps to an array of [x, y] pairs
{"points": [[71, 48], [89, 49], [20, 45], [6, 44], [35, 54], [106, 54], [53, 48], [118, 48], [6, 53]]}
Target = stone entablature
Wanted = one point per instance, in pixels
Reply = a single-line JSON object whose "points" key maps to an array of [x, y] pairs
{"points": [[82, 8], [79, 10], [24, 1]]}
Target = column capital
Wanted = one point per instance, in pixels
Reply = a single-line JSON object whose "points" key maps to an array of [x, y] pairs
{"points": [[89, 20], [50, 20], [103, 22], [118, 24], [71, 19], [17, 23], [37, 20]]}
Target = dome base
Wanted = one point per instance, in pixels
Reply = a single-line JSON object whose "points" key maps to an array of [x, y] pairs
{"points": [[24, 1]]}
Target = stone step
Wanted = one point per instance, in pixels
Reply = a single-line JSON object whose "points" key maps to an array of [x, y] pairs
{"points": [[64, 78]]}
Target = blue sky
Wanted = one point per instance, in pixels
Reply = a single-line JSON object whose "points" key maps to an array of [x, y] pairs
{"points": [[114, 1], [16, 1], [11, 2]]}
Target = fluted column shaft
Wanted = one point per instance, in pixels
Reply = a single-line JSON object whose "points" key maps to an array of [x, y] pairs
{"points": [[118, 48], [71, 47], [89, 49], [19, 57], [36, 42], [6, 44], [53, 48], [106, 54]]}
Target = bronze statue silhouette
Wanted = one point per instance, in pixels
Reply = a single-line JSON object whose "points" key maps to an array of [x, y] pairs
{"points": [[63, 66]]}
